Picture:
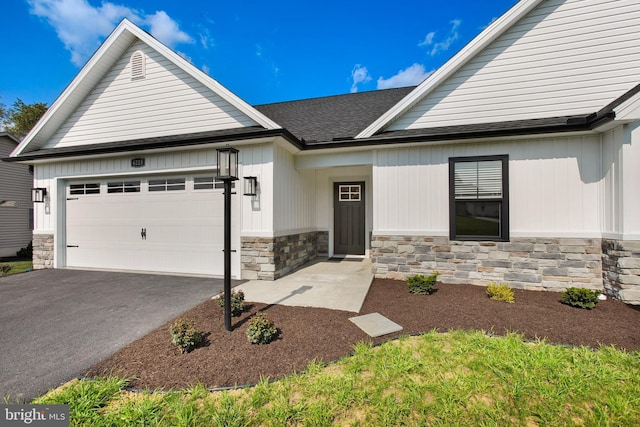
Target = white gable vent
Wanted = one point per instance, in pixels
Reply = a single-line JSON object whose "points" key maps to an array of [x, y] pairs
{"points": [[138, 70]]}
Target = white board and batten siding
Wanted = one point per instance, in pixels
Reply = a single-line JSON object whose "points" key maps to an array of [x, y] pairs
{"points": [[621, 175], [167, 101], [554, 187], [565, 57], [294, 195], [15, 202]]}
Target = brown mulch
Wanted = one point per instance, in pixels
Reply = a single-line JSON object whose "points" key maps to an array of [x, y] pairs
{"points": [[227, 359]]}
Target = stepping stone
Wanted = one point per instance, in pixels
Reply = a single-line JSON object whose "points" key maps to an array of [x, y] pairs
{"points": [[375, 324]]}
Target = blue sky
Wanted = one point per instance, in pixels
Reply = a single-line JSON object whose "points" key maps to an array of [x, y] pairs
{"points": [[263, 51]]}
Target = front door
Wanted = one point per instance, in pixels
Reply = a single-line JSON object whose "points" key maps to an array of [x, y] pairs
{"points": [[348, 218]]}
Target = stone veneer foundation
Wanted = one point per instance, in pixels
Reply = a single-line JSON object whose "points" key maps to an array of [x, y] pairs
{"points": [[42, 251], [269, 258], [524, 263], [621, 269]]}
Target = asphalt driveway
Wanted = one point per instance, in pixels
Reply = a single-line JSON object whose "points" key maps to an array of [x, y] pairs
{"points": [[55, 324]]}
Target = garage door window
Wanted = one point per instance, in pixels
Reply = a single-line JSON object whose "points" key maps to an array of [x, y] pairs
{"points": [[169, 184], [79, 189], [123, 187], [208, 183]]}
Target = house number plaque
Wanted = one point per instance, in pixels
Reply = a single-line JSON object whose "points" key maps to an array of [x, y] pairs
{"points": [[137, 162]]}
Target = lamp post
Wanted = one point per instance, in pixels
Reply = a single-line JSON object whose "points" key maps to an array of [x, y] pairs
{"points": [[227, 172]]}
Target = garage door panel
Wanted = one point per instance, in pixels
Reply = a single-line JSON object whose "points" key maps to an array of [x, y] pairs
{"points": [[184, 231]]}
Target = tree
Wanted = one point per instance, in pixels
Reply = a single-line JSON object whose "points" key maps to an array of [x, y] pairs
{"points": [[21, 118]]}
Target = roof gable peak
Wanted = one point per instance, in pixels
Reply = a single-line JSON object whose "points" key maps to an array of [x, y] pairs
{"points": [[475, 46]]}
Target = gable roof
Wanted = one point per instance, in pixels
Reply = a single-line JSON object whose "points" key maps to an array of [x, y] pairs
{"points": [[333, 118], [9, 136], [481, 41], [100, 63]]}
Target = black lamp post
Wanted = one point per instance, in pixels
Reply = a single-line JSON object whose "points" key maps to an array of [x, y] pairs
{"points": [[227, 172]]}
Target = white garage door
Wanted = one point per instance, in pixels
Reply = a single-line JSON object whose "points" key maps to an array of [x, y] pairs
{"points": [[157, 224]]}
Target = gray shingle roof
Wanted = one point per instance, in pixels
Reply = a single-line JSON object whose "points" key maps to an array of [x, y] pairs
{"points": [[333, 117]]}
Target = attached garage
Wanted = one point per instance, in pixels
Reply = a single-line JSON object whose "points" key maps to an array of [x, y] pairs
{"points": [[169, 224]]}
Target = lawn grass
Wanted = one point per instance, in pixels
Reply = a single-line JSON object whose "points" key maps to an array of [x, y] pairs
{"points": [[17, 267], [457, 378]]}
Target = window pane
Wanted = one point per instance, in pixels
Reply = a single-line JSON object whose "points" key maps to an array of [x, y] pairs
{"points": [[478, 219], [203, 183], [478, 180]]}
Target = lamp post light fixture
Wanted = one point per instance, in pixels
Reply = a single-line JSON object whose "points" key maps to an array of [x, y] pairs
{"points": [[38, 194], [227, 172]]}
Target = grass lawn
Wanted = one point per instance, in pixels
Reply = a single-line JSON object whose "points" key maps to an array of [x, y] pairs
{"points": [[457, 378], [16, 267]]}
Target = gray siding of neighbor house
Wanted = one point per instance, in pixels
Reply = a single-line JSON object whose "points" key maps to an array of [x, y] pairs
{"points": [[15, 186]]}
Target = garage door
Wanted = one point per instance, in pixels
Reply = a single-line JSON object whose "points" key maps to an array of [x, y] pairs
{"points": [[157, 224]]}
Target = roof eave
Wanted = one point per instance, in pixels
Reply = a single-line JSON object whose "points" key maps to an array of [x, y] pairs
{"points": [[153, 144]]}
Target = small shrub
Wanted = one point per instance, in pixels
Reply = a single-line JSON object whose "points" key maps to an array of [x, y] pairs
{"points": [[185, 335], [500, 292], [580, 297], [261, 330], [422, 285], [26, 253], [5, 269], [237, 302]]}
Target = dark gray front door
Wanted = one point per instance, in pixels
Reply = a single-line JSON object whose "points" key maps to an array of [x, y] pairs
{"points": [[348, 218]]}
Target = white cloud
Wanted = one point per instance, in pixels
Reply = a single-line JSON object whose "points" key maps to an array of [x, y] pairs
{"points": [[359, 74], [410, 76], [438, 46], [166, 29], [82, 27], [206, 69]]}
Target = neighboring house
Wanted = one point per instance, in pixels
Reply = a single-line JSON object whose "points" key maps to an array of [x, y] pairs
{"points": [[16, 209], [517, 161]]}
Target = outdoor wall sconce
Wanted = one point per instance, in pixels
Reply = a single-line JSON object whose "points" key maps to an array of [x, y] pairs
{"points": [[38, 194], [227, 164], [250, 185]]}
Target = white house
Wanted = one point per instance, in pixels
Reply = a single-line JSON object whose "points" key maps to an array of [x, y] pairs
{"points": [[517, 161], [16, 211]]}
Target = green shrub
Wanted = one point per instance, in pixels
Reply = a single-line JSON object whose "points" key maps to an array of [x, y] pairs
{"points": [[237, 302], [26, 253], [5, 269], [422, 285], [580, 297], [500, 292], [261, 330], [185, 335]]}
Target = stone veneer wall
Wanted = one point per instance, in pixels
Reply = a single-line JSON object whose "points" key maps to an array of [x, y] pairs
{"points": [[621, 269], [269, 258], [42, 251], [525, 263], [323, 242]]}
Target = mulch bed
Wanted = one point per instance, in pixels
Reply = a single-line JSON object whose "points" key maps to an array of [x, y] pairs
{"points": [[227, 358]]}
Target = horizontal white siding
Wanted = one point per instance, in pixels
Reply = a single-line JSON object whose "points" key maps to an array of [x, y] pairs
{"points": [[294, 195], [566, 57], [15, 190], [167, 101], [554, 187]]}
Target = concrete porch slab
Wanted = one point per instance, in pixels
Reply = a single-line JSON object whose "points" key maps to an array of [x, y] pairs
{"points": [[375, 324], [337, 284]]}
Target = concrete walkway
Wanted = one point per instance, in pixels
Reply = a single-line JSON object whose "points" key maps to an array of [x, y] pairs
{"points": [[338, 284]]}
